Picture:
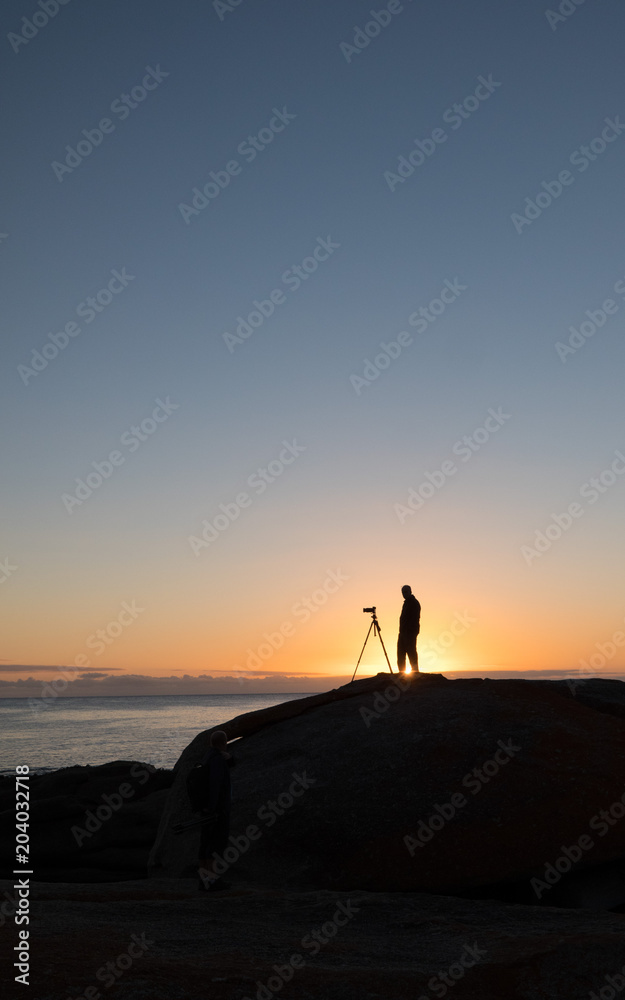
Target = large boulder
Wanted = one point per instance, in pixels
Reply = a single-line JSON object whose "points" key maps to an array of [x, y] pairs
{"points": [[442, 786]]}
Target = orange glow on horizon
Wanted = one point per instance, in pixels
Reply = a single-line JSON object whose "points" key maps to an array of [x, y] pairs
{"points": [[300, 621]]}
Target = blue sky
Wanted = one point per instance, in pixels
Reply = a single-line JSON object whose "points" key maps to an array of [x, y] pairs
{"points": [[322, 177]]}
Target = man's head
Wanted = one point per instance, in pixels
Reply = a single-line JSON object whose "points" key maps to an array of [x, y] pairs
{"points": [[219, 740], [406, 590]]}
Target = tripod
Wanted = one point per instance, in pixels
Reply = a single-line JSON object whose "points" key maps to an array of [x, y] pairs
{"points": [[375, 625]]}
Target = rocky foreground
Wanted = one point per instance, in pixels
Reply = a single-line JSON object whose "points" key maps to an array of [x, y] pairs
{"points": [[388, 840], [392, 946]]}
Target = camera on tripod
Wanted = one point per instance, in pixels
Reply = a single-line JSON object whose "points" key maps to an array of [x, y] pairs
{"points": [[375, 628]]}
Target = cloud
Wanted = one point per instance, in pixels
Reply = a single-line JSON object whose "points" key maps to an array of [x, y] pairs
{"points": [[18, 668], [93, 683], [263, 673], [532, 675]]}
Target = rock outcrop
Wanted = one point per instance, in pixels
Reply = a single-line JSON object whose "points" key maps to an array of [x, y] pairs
{"points": [[89, 824], [447, 787]]}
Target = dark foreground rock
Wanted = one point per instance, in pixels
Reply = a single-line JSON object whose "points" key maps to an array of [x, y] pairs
{"points": [[226, 946], [492, 782], [88, 824]]}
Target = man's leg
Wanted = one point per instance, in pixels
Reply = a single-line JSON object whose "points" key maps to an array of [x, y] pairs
{"points": [[412, 653], [401, 654], [214, 842], [205, 872], [205, 864]]}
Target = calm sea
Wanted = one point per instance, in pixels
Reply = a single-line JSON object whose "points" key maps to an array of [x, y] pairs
{"points": [[96, 730]]}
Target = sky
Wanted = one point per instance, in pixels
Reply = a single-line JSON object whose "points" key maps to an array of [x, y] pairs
{"points": [[302, 303]]}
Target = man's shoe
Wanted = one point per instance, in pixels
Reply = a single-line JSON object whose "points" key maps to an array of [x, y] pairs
{"points": [[218, 885]]}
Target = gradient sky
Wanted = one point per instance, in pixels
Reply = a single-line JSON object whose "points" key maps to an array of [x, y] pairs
{"points": [[334, 508]]}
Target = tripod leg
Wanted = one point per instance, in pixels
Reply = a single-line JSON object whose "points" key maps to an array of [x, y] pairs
{"points": [[362, 651], [384, 648]]}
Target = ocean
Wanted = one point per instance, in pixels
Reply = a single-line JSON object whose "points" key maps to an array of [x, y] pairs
{"points": [[97, 730]]}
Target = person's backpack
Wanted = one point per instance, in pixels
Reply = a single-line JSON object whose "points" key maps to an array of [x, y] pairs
{"points": [[197, 786]]}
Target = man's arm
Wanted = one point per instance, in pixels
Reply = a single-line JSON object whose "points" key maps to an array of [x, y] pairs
{"points": [[402, 618]]}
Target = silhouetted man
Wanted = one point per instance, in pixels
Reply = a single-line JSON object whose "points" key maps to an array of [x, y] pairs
{"points": [[409, 624]]}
